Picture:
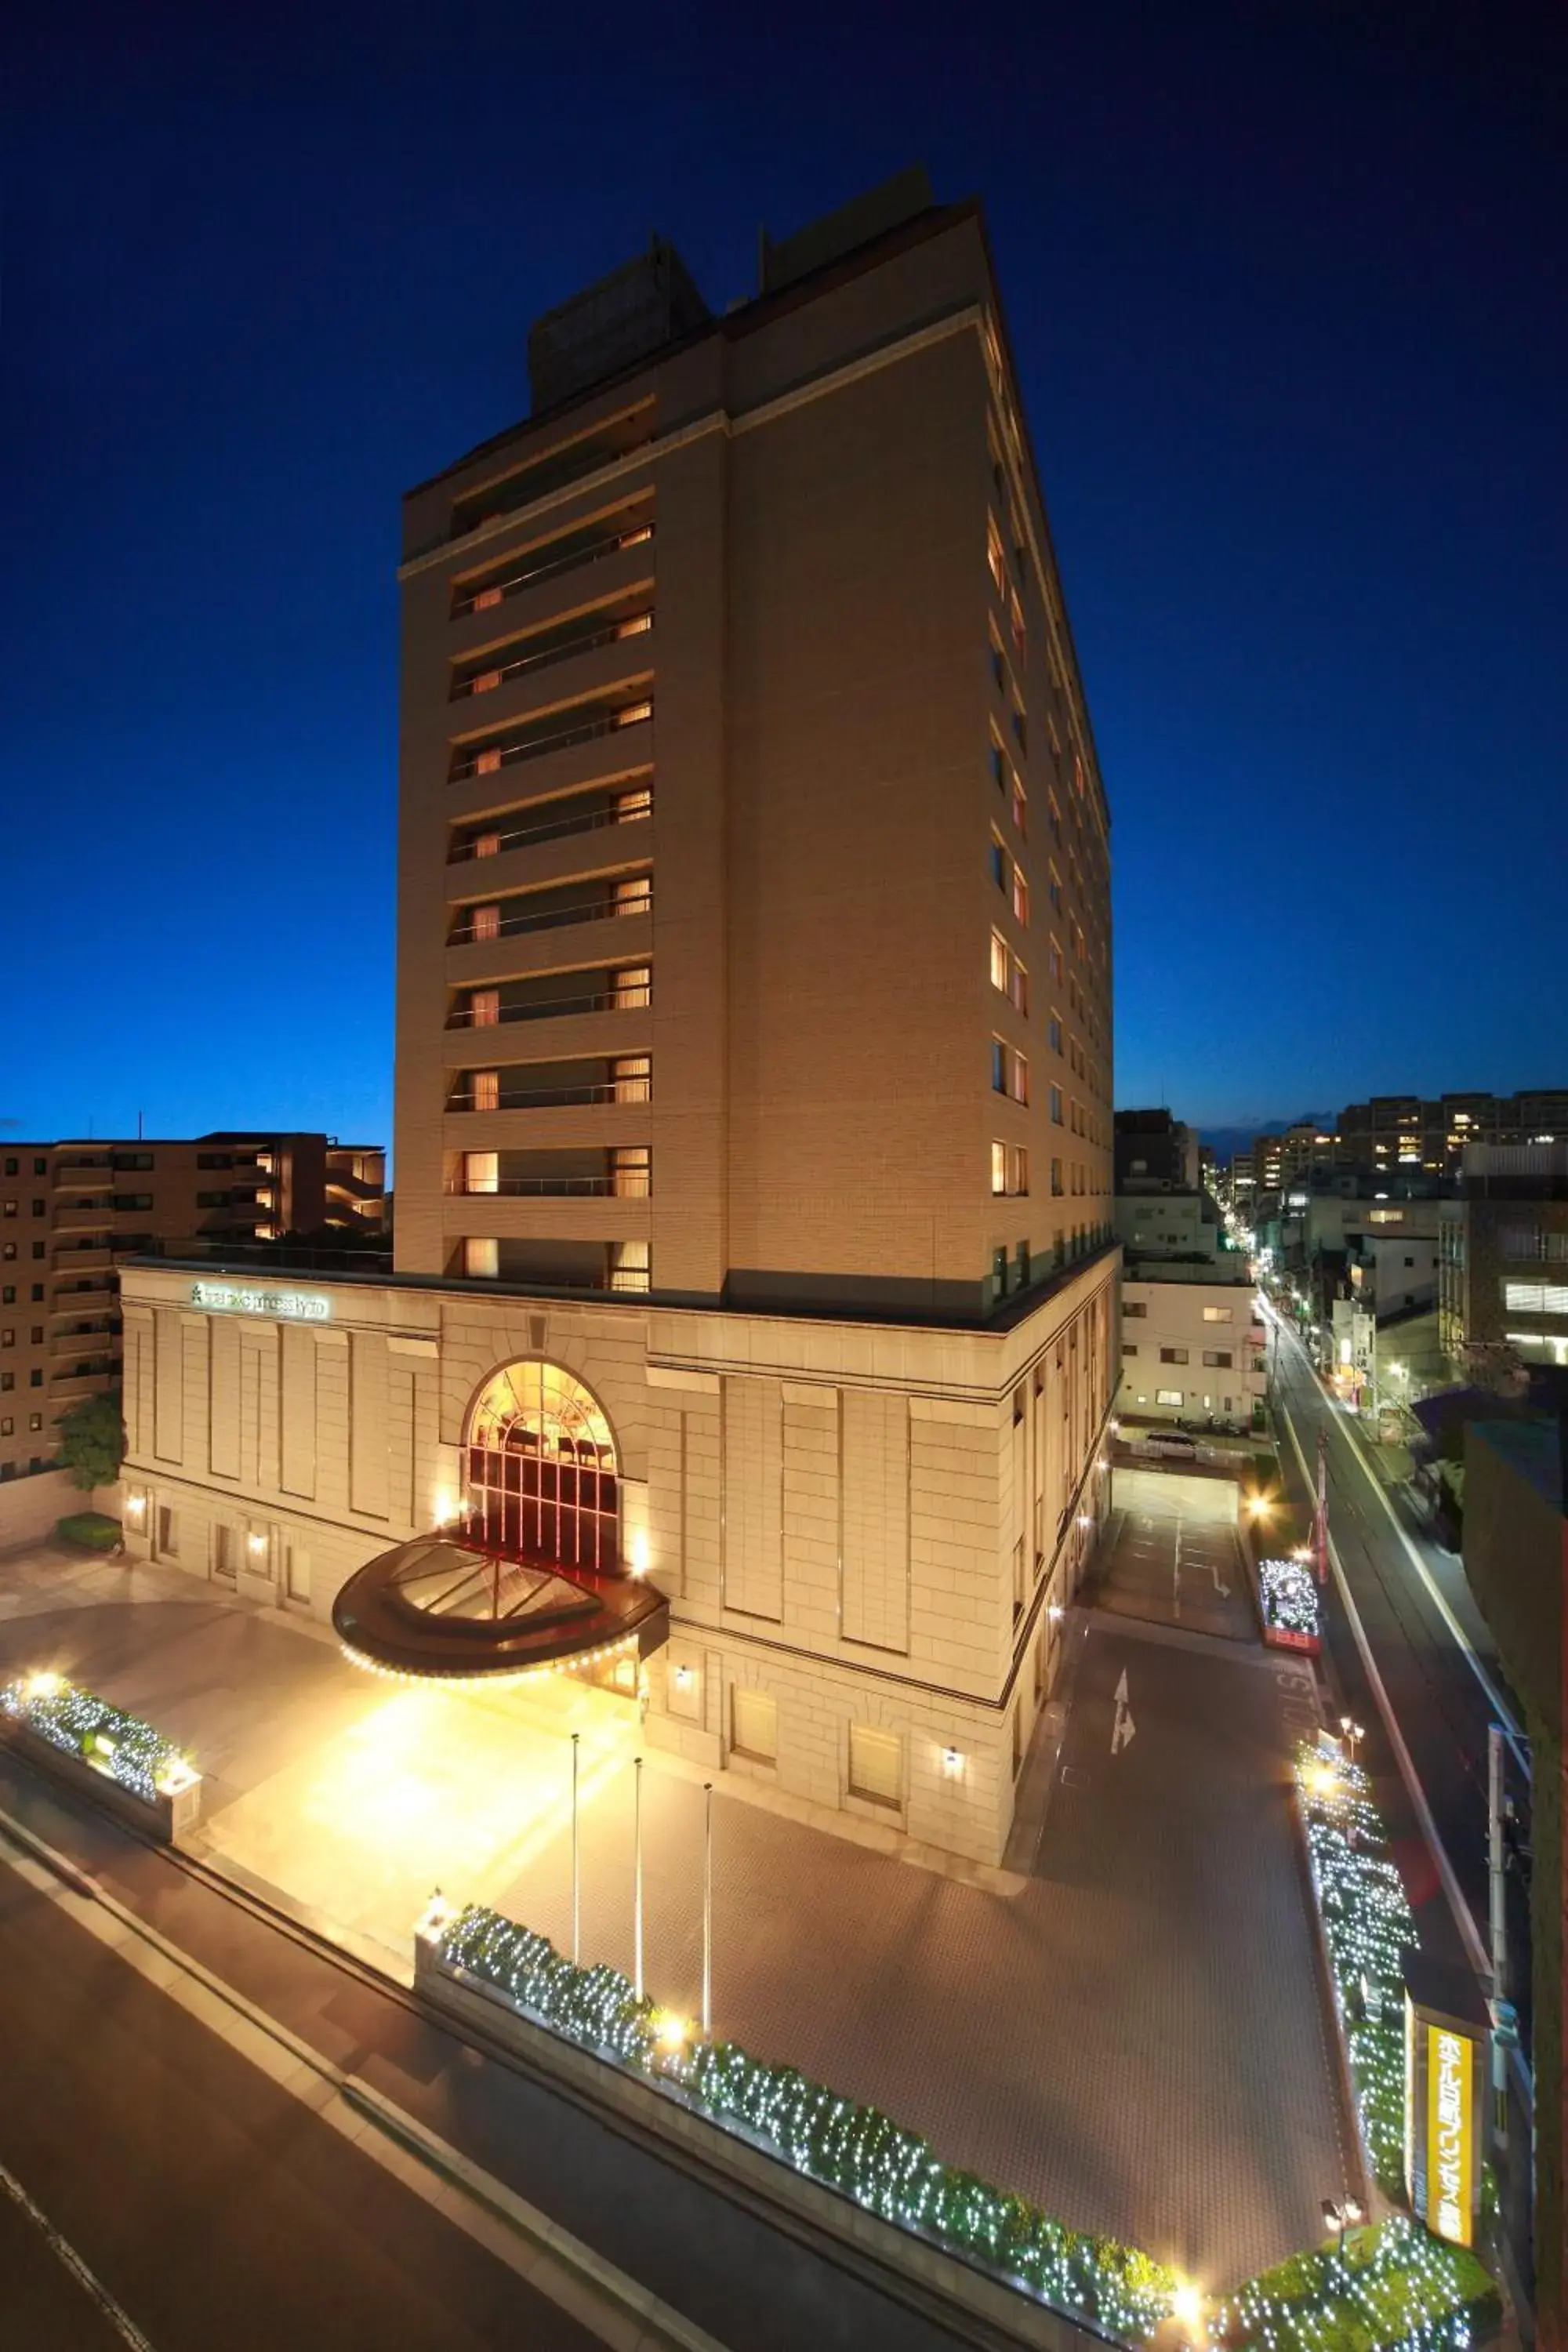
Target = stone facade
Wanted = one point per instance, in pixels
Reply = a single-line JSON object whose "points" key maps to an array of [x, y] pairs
{"points": [[868, 1525]]}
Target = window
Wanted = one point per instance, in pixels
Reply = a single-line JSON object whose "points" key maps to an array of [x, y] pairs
{"points": [[1015, 621], [484, 1007], [1057, 1105], [1020, 810], [1130, 1347], [632, 897], [998, 1168], [1054, 1031], [12, 1168], [1535, 1297], [485, 1089], [1134, 1306], [876, 1765], [8, 1296], [487, 923], [8, 1379], [1172, 1355], [37, 1294], [41, 1166], [1057, 1179], [1019, 1076], [1167, 1396], [631, 1172], [1021, 1275], [35, 1380], [1054, 960], [626, 807], [39, 1207], [994, 557], [754, 1725], [8, 1426], [1001, 962], [998, 859], [631, 986], [633, 1078], [629, 1265], [10, 1208], [1216, 1314], [1020, 895], [1009, 1169], [481, 1259], [998, 1281], [7, 1337], [1218, 1358], [131, 1201]]}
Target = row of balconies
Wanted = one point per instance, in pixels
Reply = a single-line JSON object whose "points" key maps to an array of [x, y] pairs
{"points": [[584, 1083], [487, 672], [558, 558], [594, 720], [620, 1173]]}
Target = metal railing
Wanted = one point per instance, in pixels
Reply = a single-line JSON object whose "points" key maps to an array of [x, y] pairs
{"points": [[615, 1000], [552, 1188], [551, 829], [535, 746], [616, 633], [624, 1090], [535, 482], [587, 910], [481, 599]]}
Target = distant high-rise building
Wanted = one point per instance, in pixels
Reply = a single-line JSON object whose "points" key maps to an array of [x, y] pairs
{"points": [[1409, 1131]]}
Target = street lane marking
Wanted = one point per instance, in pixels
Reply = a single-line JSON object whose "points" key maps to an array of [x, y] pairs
{"points": [[1456, 1902], [119, 2318], [1123, 1730], [1494, 1700]]}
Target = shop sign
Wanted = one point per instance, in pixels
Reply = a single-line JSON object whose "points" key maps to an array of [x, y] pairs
{"points": [[240, 1298]]}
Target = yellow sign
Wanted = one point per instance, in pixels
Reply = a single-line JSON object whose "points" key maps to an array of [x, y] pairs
{"points": [[1450, 2124]]}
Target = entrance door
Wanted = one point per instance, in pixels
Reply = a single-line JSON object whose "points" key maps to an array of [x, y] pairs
{"points": [[298, 1572], [558, 1508], [223, 1553], [167, 1545]]}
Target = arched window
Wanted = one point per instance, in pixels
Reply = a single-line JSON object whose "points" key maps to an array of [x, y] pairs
{"points": [[541, 1470]]}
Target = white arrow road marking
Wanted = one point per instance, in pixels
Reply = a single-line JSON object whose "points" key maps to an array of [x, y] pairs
{"points": [[1123, 1729]]}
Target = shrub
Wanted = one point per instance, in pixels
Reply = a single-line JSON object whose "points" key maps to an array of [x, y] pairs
{"points": [[94, 1529]]}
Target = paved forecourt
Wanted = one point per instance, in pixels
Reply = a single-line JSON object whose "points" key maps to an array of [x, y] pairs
{"points": [[1126, 2029]]}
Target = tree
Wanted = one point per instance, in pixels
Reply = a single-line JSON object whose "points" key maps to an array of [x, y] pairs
{"points": [[92, 1441]]}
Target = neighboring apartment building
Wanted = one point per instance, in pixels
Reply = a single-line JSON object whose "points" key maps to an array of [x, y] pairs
{"points": [[1502, 1274], [72, 1212], [1156, 1153], [1408, 1132], [755, 1270]]}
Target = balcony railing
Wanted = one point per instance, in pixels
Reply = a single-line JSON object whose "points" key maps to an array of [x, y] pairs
{"points": [[550, 829], [553, 919], [587, 730], [485, 681], [624, 1090], [552, 1188], [527, 575], [614, 1000]]}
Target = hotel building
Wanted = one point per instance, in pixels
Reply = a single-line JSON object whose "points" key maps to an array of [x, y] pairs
{"points": [[751, 1333]]}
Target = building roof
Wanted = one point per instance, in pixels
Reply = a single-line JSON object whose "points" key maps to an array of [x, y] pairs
{"points": [[1532, 1449]]}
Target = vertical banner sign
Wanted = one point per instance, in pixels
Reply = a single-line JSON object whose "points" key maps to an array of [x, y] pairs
{"points": [[1445, 2057], [1450, 2154]]}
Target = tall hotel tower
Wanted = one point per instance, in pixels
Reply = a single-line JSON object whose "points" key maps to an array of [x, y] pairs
{"points": [[751, 1340]]}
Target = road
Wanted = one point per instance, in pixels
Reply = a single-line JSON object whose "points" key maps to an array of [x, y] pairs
{"points": [[217, 2209], [1440, 1681], [210, 2203]]}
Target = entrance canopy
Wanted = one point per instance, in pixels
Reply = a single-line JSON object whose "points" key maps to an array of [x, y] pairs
{"points": [[441, 1609]]}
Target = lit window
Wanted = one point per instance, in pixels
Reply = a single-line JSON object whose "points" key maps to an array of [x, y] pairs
{"points": [[481, 1259], [487, 844], [629, 1265], [632, 1077], [632, 986], [626, 806], [486, 1087], [998, 1168], [631, 1172], [1018, 1079], [1020, 895], [633, 713], [1172, 1355], [876, 1765], [1057, 1177], [481, 1172], [1216, 1314], [993, 553], [634, 896], [1167, 1396], [1020, 809], [484, 1007], [1001, 962], [486, 922], [1057, 1105]]}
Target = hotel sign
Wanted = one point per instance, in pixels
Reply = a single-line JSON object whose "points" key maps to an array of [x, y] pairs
{"points": [[240, 1298], [1445, 2057]]}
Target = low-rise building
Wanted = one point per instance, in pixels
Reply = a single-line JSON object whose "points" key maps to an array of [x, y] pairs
{"points": [[72, 1212], [1502, 1273], [1192, 1345]]}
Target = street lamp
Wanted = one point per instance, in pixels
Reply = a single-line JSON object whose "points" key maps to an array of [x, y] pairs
{"points": [[1342, 2214], [1354, 1734]]}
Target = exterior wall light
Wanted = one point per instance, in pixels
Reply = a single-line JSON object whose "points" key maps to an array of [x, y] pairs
{"points": [[135, 1505], [638, 1562], [952, 1764], [255, 1544], [682, 1678], [444, 1509], [1056, 1612]]}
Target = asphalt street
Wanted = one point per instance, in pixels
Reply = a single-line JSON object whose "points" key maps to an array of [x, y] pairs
{"points": [[213, 2205], [195, 2187], [1438, 1700]]}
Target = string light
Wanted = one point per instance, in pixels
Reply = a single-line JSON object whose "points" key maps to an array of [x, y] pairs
{"points": [[623, 1646], [121, 1747], [1289, 1597]]}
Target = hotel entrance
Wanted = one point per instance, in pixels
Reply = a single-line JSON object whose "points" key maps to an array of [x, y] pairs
{"points": [[541, 1483]]}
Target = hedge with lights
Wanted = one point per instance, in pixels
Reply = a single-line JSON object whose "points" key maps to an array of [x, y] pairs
{"points": [[1367, 1926], [128, 1751], [1289, 1597], [1395, 2289], [855, 2150]]}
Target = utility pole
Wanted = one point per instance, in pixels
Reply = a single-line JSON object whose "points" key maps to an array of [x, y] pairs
{"points": [[1320, 1523], [1505, 2028]]}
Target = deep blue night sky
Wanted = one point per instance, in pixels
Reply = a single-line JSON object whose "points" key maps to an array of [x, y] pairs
{"points": [[1285, 283]]}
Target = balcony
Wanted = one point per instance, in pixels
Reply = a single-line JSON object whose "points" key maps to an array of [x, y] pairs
{"points": [[557, 733], [503, 837], [560, 1098], [81, 1340], [69, 1300], [633, 999], [82, 1175], [554, 469], [602, 905], [532, 571], [83, 1216], [68, 1386], [483, 680]]}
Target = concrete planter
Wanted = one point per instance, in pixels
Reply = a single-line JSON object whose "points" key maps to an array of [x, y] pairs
{"points": [[167, 1819], [661, 2111]]}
